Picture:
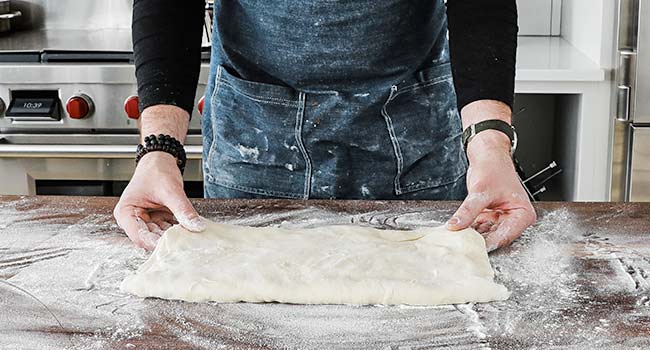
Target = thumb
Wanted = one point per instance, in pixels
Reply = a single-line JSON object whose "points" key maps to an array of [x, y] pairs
{"points": [[184, 212], [468, 211]]}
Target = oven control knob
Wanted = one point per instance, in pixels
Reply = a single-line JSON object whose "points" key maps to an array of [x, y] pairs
{"points": [[201, 104], [79, 106], [131, 107]]}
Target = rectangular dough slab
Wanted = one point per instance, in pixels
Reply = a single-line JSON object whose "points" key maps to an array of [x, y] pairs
{"points": [[324, 265]]}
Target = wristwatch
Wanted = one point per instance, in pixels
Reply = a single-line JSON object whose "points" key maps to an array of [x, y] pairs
{"points": [[491, 124]]}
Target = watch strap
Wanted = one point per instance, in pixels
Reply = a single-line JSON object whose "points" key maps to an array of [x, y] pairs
{"points": [[491, 124]]}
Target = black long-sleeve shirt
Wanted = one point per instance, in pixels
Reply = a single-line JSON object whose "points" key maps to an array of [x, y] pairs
{"points": [[167, 50]]}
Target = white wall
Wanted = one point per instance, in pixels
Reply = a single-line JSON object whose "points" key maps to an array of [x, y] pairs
{"points": [[539, 17], [589, 26]]}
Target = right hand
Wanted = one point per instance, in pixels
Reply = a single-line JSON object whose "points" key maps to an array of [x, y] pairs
{"points": [[154, 198]]}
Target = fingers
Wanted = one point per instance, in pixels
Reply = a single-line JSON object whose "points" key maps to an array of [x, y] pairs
{"points": [[483, 227], [142, 214], [163, 219], [183, 210], [509, 229], [157, 220], [147, 239], [126, 219], [153, 227], [468, 211], [137, 230], [485, 220]]}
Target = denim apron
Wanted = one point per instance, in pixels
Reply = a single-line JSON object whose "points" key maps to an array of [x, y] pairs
{"points": [[331, 99]]}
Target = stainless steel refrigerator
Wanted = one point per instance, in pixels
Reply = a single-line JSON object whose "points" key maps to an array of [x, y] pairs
{"points": [[631, 153]]}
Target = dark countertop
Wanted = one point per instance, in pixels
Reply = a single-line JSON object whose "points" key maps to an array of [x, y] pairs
{"points": [[580, 279]]}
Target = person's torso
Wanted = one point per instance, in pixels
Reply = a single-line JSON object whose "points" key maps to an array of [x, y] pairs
{"points": [[317, 45], [332, 99]]}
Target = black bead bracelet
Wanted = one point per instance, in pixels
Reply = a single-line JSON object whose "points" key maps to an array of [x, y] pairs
{"points": [[162, 143]]}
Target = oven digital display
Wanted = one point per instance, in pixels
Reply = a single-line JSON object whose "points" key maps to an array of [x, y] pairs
{"points": [[34, 105]]}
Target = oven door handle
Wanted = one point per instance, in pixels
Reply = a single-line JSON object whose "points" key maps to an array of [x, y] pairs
{"points": [[81, 151]]}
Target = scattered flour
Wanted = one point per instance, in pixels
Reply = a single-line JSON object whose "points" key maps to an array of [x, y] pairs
{"points": [[565, 281], [251, 153]]}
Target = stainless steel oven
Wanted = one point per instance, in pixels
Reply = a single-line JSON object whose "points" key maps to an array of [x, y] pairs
{"points": [[99, 164], [68, 103]]}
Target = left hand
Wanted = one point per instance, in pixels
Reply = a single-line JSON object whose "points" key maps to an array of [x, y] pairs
{"points": [[497, 205]]}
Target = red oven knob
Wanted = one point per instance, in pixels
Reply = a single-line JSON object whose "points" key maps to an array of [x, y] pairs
{"points": [[201, 104], [131, 107], [79, 106]]}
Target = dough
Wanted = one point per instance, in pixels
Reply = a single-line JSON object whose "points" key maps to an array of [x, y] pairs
{"points": [[324, 265]]}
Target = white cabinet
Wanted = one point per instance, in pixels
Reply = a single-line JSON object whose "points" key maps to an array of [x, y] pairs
{"points": [[539, 17], [564, 87]]}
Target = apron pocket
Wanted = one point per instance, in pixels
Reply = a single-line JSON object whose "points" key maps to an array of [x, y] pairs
{"points": [[425, 129], [256, 146]]}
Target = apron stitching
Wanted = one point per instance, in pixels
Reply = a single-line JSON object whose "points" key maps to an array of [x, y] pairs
{"points": [[213, 100], [217, 80], [298, 135], [256, 190], [261, 99], [418, 86], [393, 139]]}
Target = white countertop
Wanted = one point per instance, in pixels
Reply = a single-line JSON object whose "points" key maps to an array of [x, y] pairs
{"points": [[554, 59]]}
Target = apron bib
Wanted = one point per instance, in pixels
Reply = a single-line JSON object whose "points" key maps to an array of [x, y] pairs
{"points": [[383, 126]]}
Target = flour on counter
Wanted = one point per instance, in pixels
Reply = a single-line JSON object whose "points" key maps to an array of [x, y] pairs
{"points": [[565, 279]]}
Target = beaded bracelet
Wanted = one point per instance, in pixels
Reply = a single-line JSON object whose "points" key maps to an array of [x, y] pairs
{"points": [[162, 143]]}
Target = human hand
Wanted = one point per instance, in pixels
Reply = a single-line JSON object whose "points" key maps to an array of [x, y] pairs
{"points": [[154, 198], [497, 205]]}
